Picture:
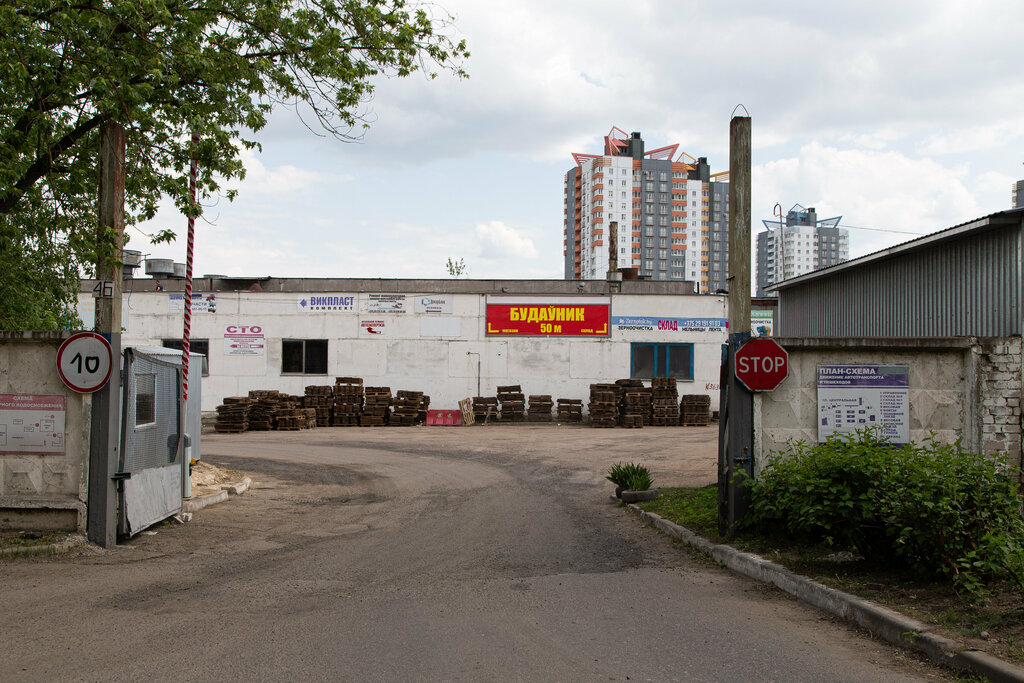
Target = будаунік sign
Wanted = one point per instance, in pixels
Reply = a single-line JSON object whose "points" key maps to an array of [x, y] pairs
{"points": [[548, 316]]}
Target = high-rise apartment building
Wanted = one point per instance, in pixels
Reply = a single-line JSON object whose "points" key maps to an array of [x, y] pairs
{"points": [[802, 244], [1017, 195], [672, 215]]}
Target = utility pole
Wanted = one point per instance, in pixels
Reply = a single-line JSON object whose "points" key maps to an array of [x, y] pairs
{"points": [[736, 432], [105, 439]]}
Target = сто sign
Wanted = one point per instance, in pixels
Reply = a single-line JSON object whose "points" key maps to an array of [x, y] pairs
{"points": [[761, 364]]}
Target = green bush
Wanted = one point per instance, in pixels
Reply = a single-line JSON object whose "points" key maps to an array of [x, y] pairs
{"points": [[640, 480], [621, 474], [933, 509]]}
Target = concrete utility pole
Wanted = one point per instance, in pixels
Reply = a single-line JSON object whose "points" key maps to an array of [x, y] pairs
{"points": [[104, 447], [735, 443]]}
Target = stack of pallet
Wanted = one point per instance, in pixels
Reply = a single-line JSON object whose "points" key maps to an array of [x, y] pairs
{"points": [[348, 401], [570, 410], [294, 418], [407, 408], [540, 408], [263, 409], [634, 403], [666, 402], [513, 403], [320, 398], [376, 408], [485, 408], [604, 405], [696, 409], [233, 414], [421, 414]]}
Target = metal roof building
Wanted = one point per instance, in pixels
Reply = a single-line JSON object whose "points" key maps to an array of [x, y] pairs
{"points": [[964, 281]]}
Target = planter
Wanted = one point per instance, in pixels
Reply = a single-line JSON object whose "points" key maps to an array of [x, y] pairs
{"points": [[619, 490], [628, 496]]}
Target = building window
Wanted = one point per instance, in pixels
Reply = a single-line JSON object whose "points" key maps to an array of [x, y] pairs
{"points": [[145, 399], [194, 346], [661, 360], [304, 356]]}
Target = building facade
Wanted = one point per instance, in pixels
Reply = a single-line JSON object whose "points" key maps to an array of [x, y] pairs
{"points": [[450, 339], [1017, 195], [671, 216], [803, 244]]}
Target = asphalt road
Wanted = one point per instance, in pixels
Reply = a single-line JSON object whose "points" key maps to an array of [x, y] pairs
{"points": [[490, 553]]}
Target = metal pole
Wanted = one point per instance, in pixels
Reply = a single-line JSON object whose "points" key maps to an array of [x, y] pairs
{"points": [[105, 437], [736, 449]]}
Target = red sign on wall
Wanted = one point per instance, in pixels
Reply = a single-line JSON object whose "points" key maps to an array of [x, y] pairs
{"points": [[537, 317]]}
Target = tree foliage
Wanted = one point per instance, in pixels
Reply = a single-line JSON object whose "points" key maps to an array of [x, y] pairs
{"points": [[165, 69]]}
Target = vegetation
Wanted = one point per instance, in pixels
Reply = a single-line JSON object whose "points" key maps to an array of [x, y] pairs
{"points": [[456, 268], [932, 509], [165, 70], [631, 476]]}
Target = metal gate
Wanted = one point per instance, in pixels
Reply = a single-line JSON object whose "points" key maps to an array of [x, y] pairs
{"points": [[150, 467]]}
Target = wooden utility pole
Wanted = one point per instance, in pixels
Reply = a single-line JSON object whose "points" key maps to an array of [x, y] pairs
{"points": [[736, 432], [104, 451]]}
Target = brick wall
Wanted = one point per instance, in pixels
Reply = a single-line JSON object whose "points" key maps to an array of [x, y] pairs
{"points": [[1000, 384]]}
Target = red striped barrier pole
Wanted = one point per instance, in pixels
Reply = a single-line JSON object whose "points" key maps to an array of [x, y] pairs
{"points": [[187, 335]]}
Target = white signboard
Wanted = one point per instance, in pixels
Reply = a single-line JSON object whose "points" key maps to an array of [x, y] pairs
{"points": [[201, 303], [84, 362], [244, 340], [371, 328], [856, 397], [433, 303], [32, 424], [326, 303], [386, 303], [440, 327]]}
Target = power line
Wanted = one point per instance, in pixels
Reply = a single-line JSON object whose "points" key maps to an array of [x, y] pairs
{"points": [[898, 232]]}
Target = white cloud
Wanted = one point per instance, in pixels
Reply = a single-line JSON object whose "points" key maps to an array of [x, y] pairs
{"points": [[499, 241], [281, 180]]}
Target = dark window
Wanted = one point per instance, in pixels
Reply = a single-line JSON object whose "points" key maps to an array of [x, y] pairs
{"points": [[145, 399], [662, 360], [194, 346], [304, 356]]}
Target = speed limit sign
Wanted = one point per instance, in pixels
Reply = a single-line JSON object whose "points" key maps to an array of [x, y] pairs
{"points": [[84, 362]]}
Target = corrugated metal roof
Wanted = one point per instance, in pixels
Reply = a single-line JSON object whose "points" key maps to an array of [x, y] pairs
{"points": [[986, 222]]}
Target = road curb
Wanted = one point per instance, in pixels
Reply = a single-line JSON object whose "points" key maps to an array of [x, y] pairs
{"points": [[67, 544], [200, 502], [885, 623], [239, 488]]}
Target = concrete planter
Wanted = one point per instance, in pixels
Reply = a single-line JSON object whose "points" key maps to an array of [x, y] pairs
{"points": [[628, 496]]}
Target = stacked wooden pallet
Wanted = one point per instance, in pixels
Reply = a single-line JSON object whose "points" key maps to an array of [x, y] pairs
{"points": [[421, 414], [294, 418], [263, 409], [406, 410], [233, 414], [634, 403], [348, 401], [485, 408], [376, 407], [665, 409], [513, 403], [570, 410], [604, 405], [696, 409], [321, 399], [540, 408]]}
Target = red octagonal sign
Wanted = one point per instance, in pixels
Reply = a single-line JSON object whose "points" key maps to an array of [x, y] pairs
{"points": [[761, 364]]}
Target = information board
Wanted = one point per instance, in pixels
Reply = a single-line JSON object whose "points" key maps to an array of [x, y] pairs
{"points": [[548, 316], [857, 397], [32, 424]]}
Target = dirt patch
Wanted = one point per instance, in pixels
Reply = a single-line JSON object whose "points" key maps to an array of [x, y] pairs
{"points": [[208, 478]]}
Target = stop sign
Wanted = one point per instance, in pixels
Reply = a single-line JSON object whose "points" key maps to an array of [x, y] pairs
{"points": [[761, 364]]}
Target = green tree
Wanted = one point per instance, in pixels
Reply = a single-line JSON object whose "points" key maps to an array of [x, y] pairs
{"points": [[165, 69], [456, 268]]}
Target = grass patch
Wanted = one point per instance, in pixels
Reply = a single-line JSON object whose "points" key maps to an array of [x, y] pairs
{"points": [[993, 622], [27, 539]]}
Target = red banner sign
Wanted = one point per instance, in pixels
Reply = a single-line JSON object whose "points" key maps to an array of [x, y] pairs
{"points": [[557, 319]]}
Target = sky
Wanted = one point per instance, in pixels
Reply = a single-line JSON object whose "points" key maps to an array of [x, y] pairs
{"points": [[904, 116]]}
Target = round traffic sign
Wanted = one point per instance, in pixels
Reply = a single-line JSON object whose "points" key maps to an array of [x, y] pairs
{"points": [[761, 364], [84, 362]]}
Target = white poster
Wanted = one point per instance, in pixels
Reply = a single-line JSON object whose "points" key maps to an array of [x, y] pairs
{"points": [[201, 303], [244, 340], [326, 303], [440, 327], [371, 328], [857, 397], [386, 303], [433, 303], [32, 424]]}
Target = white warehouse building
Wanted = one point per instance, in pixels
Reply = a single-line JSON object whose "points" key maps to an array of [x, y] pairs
{"points": [[451, 339]]}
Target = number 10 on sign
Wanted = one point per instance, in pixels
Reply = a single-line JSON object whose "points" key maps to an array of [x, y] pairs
{"points": [[84, 362]]}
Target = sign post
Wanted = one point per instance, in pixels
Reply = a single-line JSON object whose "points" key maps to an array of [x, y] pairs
{"points": [[761, 364]]}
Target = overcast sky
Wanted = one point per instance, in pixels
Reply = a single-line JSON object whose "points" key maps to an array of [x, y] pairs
{"points": [[900, 115]]}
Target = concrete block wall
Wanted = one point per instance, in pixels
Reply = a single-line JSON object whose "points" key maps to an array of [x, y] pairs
{"points": [[999, 376], [43, 492], [961, 389]]}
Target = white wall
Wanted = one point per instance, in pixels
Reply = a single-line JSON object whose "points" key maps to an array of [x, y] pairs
{"points": [[406, 356]]}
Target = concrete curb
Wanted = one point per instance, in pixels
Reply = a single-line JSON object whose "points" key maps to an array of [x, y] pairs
{"points": [[72, 541], [882, 621], [239, 488], [200, 502]]}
